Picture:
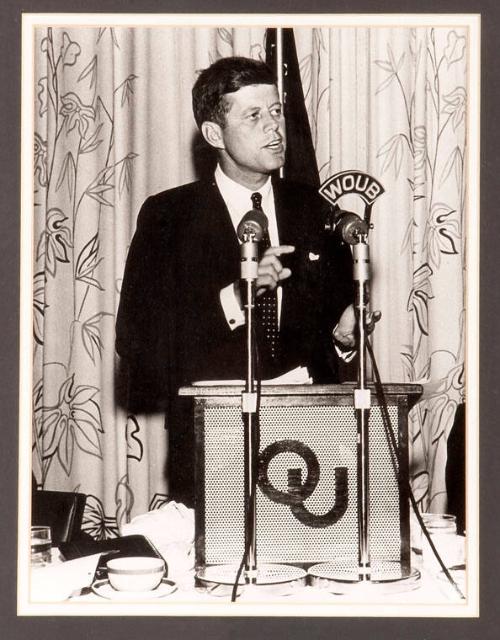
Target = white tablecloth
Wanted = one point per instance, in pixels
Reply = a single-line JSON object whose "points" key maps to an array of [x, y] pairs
{"points": [[65, 587], [70, 582]]}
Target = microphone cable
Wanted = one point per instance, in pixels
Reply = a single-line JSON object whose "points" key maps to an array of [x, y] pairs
{"points": [[394, 451]]}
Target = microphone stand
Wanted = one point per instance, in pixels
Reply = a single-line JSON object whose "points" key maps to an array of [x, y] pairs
{"points": [[362, 403], [267, 577], [249, 265], [334, 576], [272, 579]]}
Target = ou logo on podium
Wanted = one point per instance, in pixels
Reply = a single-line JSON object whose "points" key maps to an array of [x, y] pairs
{"points": [[298, 491]]}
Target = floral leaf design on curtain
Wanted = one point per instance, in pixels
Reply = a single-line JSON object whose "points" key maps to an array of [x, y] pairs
{"points": [[74, 167], [127, 89], [135, 448], [158, 501], [55, 242], [455, 106], [67, 174], [227, 44], [424, 152], [126, 173], [74, 421], [442, 234], [43, 97], [421, 293], [69, 51], [39, 306], [76, 114], [434, 233], [391, 66], [37, 430], [393, 150], [87, 262], [40, 154], [454, 163], [102, 526], [124, 498], [96, 193], [86, 181], [112, 34], [95, 521], [92, 143], [224, 45], [91, 335], [455, 48]]}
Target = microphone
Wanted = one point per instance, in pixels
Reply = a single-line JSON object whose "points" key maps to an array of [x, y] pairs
{"points": [[250, 230], [347, 224], [252, 226]]}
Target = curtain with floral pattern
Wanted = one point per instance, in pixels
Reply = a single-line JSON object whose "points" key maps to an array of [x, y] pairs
{"points": [[392, 102], [113, 125]]}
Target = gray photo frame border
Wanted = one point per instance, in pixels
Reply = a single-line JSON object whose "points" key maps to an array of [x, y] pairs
{"points": [[219, 628]]}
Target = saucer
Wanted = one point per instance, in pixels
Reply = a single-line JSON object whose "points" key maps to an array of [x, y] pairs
{"points": [[103, 589]]}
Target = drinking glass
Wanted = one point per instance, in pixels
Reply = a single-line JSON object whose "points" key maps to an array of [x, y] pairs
{"points": [[442, 528], [41, 542]]}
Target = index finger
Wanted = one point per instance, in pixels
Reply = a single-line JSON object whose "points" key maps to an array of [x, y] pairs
{"points": [[280, 250]]}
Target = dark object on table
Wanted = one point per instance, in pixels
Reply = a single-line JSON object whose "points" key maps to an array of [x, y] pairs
{"points": [[455, 469], [126, 546], [62, 511]]}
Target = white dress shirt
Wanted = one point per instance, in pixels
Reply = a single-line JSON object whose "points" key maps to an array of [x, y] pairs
{"points": [[238, 201]]}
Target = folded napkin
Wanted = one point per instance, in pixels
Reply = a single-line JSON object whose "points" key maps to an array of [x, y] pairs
{"points": [[171, 530], [57, 582]]}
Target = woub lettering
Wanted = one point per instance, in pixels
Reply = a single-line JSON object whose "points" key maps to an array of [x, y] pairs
{"points": [[351, 182]]}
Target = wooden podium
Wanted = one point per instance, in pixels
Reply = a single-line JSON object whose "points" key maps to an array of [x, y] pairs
{"points": [[307, 493]]}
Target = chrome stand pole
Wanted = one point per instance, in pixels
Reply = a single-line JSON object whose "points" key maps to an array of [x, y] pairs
{"points": [[339, 576], [250, 419], [362, 403], [267, 579]]}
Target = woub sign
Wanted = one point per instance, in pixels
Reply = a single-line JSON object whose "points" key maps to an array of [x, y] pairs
{"points": [[348, 182]]}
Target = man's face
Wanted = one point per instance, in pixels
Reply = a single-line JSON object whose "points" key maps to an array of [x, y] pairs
{"points": [[253, 138]]}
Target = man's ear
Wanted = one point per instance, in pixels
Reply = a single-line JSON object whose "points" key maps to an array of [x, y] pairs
{"points": [[212, 132]]}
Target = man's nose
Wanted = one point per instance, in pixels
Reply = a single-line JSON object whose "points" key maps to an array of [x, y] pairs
{"points": [[271, 123]]}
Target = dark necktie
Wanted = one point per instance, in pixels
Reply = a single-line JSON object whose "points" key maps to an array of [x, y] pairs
{"points": [[266, 308]]}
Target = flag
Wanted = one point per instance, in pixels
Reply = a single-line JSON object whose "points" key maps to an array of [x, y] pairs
{"points": [[300, 160]]}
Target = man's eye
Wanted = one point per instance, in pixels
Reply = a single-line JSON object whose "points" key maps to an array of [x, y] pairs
{"points": [[276, 111], [253, 116]]}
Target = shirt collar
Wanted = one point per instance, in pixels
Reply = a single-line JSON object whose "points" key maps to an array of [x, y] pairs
{"points": [[236, 196]]}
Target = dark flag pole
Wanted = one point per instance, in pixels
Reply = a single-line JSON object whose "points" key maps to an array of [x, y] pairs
{"points": [[281, 56]]}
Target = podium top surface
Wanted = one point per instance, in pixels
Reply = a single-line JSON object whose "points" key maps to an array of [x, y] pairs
{"points": [[218, 388]]}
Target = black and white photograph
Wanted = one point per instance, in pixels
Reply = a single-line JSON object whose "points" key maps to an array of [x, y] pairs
{"points": [[249, 315]]}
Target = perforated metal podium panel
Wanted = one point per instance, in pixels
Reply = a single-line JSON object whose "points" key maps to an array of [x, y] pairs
{"points": [[308, 451]]}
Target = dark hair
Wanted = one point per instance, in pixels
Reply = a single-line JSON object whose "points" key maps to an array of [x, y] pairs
{"points": [[227, 75]]}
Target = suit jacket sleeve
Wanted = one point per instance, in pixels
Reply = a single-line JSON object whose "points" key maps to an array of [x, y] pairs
{"points": [[338, 292], [144, 350], [320, 287], [340, 274]]}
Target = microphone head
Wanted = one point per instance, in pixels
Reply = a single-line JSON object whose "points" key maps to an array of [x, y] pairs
{"points": [[352, 227], [254, 223], [348, 226]]}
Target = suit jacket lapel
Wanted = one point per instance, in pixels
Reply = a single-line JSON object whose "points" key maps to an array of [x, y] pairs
{"points": [[293, 226], [284, 215], [222, 239], [288, 234]]}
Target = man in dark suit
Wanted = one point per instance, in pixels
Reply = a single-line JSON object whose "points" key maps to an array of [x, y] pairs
{"points": [[180, 317]]}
